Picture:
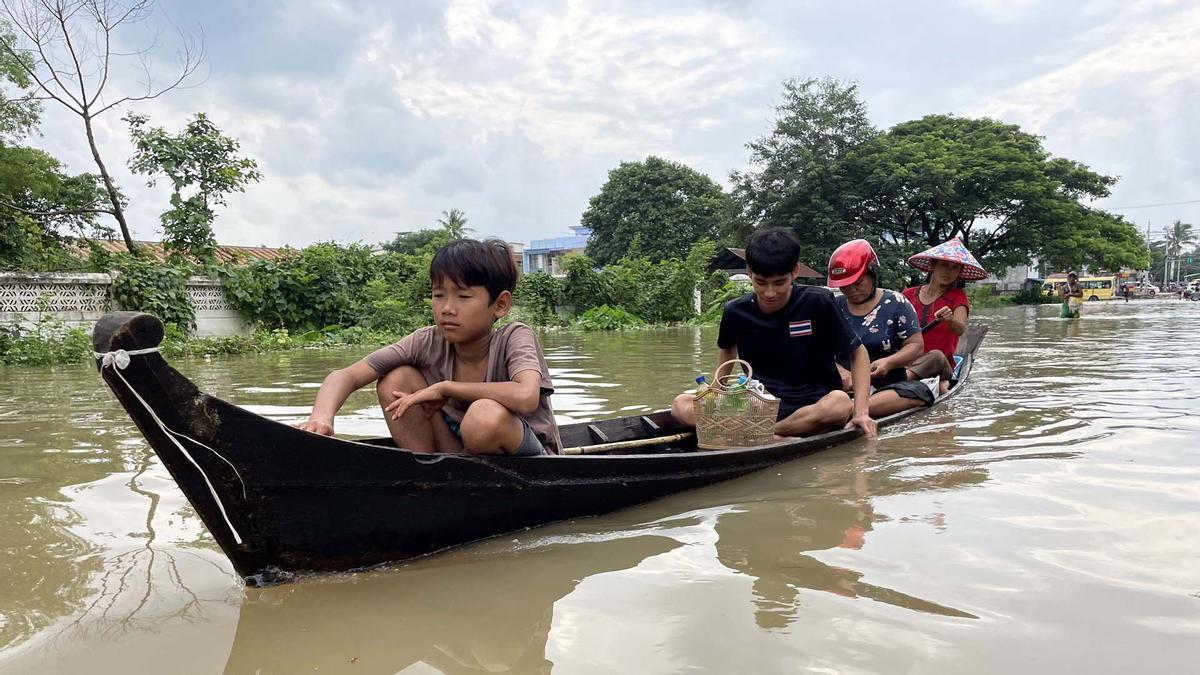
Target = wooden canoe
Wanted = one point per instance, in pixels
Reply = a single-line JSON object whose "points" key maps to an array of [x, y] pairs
{"points": [[281, 501]]}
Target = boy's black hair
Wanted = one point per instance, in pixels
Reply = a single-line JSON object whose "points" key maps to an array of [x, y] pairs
{"points": [[772, 251], [469, 262]]}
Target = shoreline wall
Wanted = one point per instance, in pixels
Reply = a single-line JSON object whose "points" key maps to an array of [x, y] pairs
{"points": [[80, 299]]}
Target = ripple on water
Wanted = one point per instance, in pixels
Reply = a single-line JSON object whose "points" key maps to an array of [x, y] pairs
{"points": [[1045, 519]]}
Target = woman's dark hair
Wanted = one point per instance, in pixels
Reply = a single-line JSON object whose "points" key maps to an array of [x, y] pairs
{"points": [[469, 262], [772, 251]]}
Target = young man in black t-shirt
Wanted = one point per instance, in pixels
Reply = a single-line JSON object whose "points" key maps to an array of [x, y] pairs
{"points": [[790, 335]]}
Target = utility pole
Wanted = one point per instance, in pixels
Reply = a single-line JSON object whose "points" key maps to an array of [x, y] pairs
{"points": [[1146, 274]]}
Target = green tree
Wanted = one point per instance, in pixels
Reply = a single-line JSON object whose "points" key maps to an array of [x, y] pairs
{"points": [[41, 205], [69, 51], [33, 182], [203, 166], [1179, 237], [1174, 245], [584, 287], [452, 226], [454, 223], [413, 242], [19, 109], [988, 183], [796, 176], [660, 207]]}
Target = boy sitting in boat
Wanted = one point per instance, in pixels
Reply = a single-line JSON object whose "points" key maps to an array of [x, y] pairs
{"points": [[790, 335], [460, 385]]}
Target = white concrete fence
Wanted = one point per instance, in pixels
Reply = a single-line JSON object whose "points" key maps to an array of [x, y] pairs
{"points": [[80, 299]]}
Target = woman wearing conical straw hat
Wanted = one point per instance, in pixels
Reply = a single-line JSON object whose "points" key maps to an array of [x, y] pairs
{"points": [[942, 307]]}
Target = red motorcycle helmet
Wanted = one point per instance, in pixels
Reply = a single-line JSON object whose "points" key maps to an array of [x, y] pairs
{"points": [[849, 261]]}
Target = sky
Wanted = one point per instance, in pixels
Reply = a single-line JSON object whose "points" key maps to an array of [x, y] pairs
{"points": [[370, 117]]}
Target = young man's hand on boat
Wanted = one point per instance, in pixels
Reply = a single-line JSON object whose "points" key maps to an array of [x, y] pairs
{"points": [[863, 421]]}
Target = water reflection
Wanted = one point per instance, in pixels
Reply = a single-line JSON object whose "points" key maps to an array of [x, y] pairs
{"points": [[841, 516], [486, 610], [1054, 499]]}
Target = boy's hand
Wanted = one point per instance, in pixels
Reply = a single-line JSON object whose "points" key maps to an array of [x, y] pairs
{"points": [[430, 399], [317, 426], [863, 421]]}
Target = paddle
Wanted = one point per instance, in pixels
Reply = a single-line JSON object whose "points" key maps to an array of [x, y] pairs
{"points": [[622, 445]]}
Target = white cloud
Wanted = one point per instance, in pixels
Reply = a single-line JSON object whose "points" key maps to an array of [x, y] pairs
{"points": [[372, 117], [1146, 62], [581, 80], [1127, 108]]}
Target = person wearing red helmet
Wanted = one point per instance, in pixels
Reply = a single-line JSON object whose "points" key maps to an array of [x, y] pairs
{"points": [[887, 325], [790, 335]]}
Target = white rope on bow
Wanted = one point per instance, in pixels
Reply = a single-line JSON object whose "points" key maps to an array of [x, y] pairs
{"points": [[118, 360]]}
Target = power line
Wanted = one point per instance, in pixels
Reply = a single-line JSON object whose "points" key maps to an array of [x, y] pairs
{"points": [[1149, 206]]}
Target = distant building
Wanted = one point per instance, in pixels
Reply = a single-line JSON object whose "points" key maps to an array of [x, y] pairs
{"points": [[518, 254], [546, 255], [1016, 278]]}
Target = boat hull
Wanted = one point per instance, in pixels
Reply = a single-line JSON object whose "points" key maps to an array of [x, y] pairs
{"points": [[281, 501]]}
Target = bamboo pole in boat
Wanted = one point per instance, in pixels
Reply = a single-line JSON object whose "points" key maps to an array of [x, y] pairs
{"points": [[624, 445]]}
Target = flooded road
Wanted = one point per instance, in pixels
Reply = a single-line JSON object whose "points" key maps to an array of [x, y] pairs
{"points": [[1045, 520]]}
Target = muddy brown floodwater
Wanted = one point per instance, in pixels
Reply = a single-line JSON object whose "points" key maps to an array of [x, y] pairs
{"points": [[1046, 520]]}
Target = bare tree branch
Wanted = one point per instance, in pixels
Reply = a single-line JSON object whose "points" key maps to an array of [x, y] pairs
{"points": [[70, 58], [58, 213]]}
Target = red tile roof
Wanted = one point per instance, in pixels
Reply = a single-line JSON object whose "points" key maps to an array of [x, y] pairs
{"points": [[224, 253]]}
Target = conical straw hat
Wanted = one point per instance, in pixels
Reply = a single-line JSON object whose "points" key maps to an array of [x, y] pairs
{"points": [[952, 251]]}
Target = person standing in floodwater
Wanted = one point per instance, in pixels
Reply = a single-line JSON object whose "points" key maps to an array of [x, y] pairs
{"points": [[1072, 295]]}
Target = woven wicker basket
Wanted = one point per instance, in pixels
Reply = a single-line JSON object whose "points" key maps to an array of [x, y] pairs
{"points": [[733, 418]]}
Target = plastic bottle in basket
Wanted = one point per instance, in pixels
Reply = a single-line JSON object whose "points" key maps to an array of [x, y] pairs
{"points": [[738, 403]]}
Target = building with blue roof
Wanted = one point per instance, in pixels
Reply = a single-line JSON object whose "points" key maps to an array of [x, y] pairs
{"points": [[546, 255]]}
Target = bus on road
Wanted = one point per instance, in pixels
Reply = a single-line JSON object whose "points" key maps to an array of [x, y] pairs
{"points": [[1094, 288]]}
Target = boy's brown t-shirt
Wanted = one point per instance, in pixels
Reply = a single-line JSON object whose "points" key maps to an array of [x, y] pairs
{"points": [[514, 348]]}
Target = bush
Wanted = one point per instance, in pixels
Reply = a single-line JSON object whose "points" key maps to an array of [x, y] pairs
{"points": [[714, 306], [983, 296], [607, 318], [659, 292], [1032, 296], [145, 285], [329, 285], [584, 286], [537, 296], [49, 342]]}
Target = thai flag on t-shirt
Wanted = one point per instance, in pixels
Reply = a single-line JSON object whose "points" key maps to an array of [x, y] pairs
{"points": [[799, 328]]}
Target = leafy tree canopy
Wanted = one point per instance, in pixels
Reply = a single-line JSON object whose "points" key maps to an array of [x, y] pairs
{"points": [[203, 166], [661, 207], [33, 182], [414, 242], [19, 111], [991, 184], [796, 175], [451, 226]]}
